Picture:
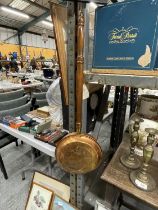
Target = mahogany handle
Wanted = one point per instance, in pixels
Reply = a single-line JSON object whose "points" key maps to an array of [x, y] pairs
{"points": [[79, 71]]}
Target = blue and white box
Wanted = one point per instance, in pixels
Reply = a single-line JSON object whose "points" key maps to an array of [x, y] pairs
{"points": [[126, 35]]}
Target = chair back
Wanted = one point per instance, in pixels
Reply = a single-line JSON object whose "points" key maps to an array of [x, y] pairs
{"points": [[39, 100], [7, 96], [6, 105], [16, 111], [41, 103], [39, 96], [48, 73]]}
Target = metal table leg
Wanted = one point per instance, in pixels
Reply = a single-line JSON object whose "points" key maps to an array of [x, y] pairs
{"points": [[3, 168], [51, 165], [32, 169]]}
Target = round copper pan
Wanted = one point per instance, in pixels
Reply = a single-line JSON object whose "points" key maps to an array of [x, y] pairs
{"points": [[78, 153]]}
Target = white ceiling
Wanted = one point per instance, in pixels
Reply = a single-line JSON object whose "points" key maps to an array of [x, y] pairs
{"points": [[25, 6], [11, 20]]}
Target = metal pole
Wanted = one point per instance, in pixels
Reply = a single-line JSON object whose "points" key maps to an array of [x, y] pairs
{"points": [[120, 104], [20, 43], [133, 99], [114, 120], [71, 85]]}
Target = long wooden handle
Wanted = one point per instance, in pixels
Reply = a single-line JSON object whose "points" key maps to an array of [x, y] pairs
{"points": [[79, 72], [59, 15]]}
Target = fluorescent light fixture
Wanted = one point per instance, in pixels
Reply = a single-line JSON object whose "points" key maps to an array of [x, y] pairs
{"points": [[19, 4], [47, 23], [93, 5], [14, 12], [49, 18]]}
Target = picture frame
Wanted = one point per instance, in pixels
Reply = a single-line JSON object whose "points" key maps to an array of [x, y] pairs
{"points": [[39, 198], [60, 204], [52, 184], [47, 193], [59, 18]]}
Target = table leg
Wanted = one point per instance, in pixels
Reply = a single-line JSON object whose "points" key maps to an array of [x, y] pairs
{"points": [[32, 169], [51, 165], [32, 155], [3, 168]]}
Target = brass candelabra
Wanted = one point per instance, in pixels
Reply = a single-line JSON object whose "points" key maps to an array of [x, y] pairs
{"points": [[131, 160], [141, 178]]}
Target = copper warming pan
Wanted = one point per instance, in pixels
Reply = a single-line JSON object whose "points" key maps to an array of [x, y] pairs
{"points": [[79, 153]]}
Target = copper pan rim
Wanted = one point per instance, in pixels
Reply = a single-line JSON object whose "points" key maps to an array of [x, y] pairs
{"points": [[78, 153]]}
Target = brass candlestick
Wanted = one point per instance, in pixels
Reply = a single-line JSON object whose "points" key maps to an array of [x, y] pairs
{"points": [[141, 178], [130, 160]]}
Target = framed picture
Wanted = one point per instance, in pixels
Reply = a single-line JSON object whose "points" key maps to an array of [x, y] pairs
{"points": [[39, 198], [59, 17], [52, 184], [60, 204]]}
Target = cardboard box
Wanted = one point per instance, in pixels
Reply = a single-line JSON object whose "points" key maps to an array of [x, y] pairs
{"points": [[126, 38]]}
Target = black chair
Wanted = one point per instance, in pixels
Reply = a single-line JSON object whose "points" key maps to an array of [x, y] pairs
{"points": [[6, 105], [39, 100], [7, 96], [24, 109], [16, 105], [5, 139], [48, 73]]}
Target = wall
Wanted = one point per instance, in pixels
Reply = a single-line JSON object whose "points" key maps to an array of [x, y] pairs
{"points": [[33, 45], [6, 33], [36, 41], [37, 52], [5, 49]]}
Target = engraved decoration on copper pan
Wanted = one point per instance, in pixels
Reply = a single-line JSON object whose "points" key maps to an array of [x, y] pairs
{"points": [[78, 153]]}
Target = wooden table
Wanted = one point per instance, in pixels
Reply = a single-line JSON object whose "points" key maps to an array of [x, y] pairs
{"points": [[118, 175]]}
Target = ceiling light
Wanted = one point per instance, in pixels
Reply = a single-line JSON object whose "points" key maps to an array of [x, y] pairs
{"points": [[49, 18], [19, 4], [94, 5], [47, 23], [12, 11]]}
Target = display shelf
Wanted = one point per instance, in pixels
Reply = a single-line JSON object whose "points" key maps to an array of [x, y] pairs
{"points": [[150, 82], [118, 175]]}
